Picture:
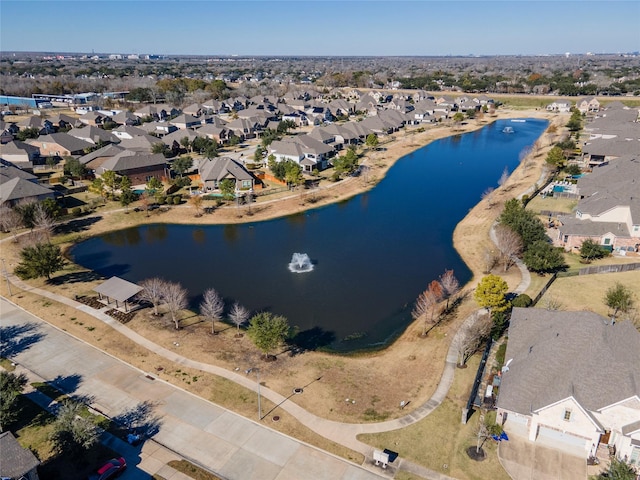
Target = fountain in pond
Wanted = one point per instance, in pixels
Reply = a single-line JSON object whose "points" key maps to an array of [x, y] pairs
{"points": [[300, 263]]}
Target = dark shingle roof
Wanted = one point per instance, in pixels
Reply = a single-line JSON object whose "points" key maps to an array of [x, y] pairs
{"points": [[16, 461], [553, 355]]}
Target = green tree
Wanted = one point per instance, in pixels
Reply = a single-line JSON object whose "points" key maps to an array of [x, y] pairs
{"points": [[618, 470], [182, 164], [556, 158], [268, 331], [542, 257], [11, 385], [127, 196], [257, 156], [73, 433], [153, 185], [74, 168], [575, 122], [110, 180], [523, 222], [40, 260], [372, 140], [98, 187], [619, 298], [458, 117], [160, 147], [27, 133], [227, 188], [268, 137], [185, 143], [51, 207], [491, 293], [590, 250]]}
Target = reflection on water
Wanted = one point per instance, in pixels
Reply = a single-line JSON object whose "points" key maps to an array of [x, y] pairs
{"points": [[372, 254]]}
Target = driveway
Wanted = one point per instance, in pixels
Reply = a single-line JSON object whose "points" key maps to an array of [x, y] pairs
{"points": [[526, 460], [209, 435]]}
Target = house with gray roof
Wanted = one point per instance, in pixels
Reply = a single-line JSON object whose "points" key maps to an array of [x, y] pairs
{"points": [[215, 170], [17, 462], [60, 145], [571, 381], [609, 211], [559, 106], [16, 185], [20, 154], [92, 134], [138, 167]]}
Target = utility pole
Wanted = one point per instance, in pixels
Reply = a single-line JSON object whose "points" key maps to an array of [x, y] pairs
{"points": [[257, 370], [6, 276]]}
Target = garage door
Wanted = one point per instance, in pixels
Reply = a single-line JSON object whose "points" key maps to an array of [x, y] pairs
{"points": [[562, 441]]}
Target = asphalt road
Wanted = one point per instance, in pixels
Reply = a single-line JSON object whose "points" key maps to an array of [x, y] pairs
{"points": [[218, 439]]}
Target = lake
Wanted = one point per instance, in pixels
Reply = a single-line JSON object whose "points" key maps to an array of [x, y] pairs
{"points": [[372, 254]]}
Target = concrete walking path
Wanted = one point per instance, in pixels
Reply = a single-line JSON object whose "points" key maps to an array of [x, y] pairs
{"points": [[342, 433]]}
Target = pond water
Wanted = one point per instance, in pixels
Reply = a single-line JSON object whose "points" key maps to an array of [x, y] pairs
{"points": [[371, 255]]}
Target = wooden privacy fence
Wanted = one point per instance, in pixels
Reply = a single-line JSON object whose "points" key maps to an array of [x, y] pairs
{"points": [[620, 267]]}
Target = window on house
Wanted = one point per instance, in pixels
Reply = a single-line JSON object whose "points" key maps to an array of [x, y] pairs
{"points": [[607, 241], [567, 414]]}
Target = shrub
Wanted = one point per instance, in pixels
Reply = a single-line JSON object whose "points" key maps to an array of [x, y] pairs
{"points": [[177, 200], [522, 300], [161, 199], [76, 211]]}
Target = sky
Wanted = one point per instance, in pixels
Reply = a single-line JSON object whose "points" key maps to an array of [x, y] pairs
{"points": [[321, 27]]}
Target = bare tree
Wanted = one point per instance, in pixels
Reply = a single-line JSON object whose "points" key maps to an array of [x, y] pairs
{"points": [[426, 305], [504, 177], [450, 285], [43, 223], [471, 337], [509, 243], [196, 202], [212, 307], [489, 259], [11, 221], [488, 195], [552, 303], [525, 155], [152, 291], [238, 315], [175, 298]]}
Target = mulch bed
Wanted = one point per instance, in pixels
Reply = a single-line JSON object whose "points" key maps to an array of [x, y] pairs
{"points": [[90, 301], [121, 316], [476, 455]]}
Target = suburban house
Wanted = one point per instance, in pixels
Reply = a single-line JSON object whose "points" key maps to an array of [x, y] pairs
{"points": [[7, 131], [140, 143], [158, 128], [95, 159], [218, 133], [599, 151], [94, 118], [43, 126], [609, 210], [588, 105], [571, 381], [93, 135], [17, 462], [128, 132], [20, 154], [16, 185], [60, 145], [185, 121], [305, 150], [138, 167], [157, 112], [125, 117], [215, 170], [559, 106]]}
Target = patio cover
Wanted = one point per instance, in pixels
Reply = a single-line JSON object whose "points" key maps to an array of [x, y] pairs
{"points": [[118, 289]]}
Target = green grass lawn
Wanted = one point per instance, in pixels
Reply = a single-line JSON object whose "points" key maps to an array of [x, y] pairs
{"points": [[566, 205], [33, 429], [439, 441]]}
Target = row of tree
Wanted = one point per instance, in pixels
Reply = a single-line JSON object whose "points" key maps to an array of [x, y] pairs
{"points": [[266, 330]]}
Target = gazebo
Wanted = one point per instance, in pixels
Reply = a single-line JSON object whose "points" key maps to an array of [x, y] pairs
{"points": [[118, 290]]}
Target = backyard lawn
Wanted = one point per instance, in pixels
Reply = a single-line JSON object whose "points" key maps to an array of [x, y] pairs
{"points": [[439, 441]]}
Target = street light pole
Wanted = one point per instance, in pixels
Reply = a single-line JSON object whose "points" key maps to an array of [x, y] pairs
{"points": [[257, 370], [6, 276]]}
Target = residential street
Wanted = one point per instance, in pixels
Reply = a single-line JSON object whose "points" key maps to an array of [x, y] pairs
{"points": [[228, 444]]}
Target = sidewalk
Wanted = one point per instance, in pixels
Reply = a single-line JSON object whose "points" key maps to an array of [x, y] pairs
{"points": [[342, 433]]}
